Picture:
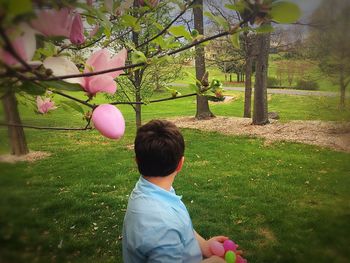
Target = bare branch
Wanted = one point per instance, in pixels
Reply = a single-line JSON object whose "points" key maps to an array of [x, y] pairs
{"points": [[44, 128], [73, 98]]}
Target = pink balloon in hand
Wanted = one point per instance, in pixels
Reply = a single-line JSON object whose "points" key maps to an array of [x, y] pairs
{"points": [[109, 121], [229, 245], [217, 248], [239, 259]]}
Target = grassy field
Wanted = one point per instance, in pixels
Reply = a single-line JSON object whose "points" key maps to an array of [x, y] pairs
{"points": [[285, 202], [311, 72]]}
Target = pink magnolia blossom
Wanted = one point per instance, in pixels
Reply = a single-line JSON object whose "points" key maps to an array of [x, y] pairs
{"points": [[76, 35], [53, 22], [61, 22], [98, 61], [45, 105], [23, 41]]}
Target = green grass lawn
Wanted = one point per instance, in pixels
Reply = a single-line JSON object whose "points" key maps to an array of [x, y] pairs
{"points": [[312, 72], [284, 202]]}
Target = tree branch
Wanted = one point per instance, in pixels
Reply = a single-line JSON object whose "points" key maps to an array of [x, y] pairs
{"points": [[89, 74], [168, 26], [44, 128], [73, 98]]}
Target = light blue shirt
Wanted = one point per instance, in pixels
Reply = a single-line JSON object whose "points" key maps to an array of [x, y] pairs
{"points": [[157, 227]]}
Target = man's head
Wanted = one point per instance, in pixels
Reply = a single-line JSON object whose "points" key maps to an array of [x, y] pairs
{"points": [[159, 148]]}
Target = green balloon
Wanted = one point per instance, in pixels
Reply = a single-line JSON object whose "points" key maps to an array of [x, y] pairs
{"points": [[230, 257]]}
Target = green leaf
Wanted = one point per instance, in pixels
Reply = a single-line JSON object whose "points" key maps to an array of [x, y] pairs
{"points": [[194, 87], [74, 105], [104, 20], [160, 42], [49, 50], [138, 57], [19, 7], [179, 31], [130, 21], [32, 88], [264, 29], [235, 40], [231, 7], [194, 33], [62, 85], [158, 26], [91, 21], [285, 12]]}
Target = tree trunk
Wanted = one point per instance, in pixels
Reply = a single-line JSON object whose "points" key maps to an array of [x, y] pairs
{"points": [[203, 110], [342, 90], [248, 86], [137, 80], [138, 110], [260, 116], [249, 49], [16, 134]]}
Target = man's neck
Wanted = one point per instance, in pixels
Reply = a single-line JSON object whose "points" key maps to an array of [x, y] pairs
{"points": [[163, 182]]}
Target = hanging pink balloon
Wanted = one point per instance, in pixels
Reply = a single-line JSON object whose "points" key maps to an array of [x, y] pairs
{"points": [[109, 121]]}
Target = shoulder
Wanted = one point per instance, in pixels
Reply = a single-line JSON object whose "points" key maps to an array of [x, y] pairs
{"points": [[151, 211]]}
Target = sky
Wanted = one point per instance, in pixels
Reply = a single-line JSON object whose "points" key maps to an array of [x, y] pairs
{"points": [[307, 6]]}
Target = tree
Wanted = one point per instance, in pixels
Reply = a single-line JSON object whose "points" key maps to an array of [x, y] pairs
{"points": [[331, 42], [203, 110], [130, 27]]}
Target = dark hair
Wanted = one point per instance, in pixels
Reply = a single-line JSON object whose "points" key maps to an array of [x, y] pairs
{"points": [[159, 147]]}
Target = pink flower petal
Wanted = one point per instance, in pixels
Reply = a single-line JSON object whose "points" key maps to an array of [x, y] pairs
{"points": [[24, 43], [29, 41], [77, 31], [61, 66], [109, 121], [101, 60], [44, 105], [53, 22], [97, 61], [118, 61], [39, 101], [101, 84]]}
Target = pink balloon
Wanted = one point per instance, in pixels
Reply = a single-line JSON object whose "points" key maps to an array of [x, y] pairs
{"points": [[109, 121], [217, 248], [229, 245], [239, 259]]}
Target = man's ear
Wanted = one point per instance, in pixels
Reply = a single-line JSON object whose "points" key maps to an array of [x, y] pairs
{"points": [[181, 163]]}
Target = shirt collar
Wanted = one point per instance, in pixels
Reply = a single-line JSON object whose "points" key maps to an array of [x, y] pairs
{"points": [[151, 189]]}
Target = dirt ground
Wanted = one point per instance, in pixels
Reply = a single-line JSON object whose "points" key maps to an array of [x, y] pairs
{"points": [[333, 135], [30, 157]]}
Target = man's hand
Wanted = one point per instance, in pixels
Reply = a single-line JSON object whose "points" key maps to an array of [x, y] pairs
{"points": [[205, 245], [214, 259]]}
